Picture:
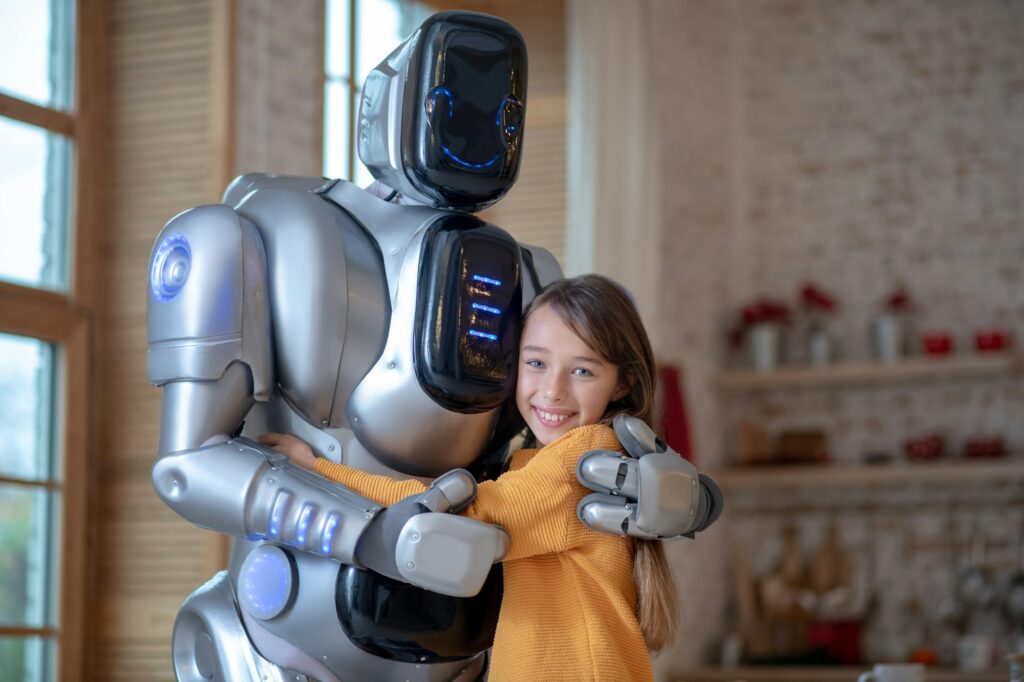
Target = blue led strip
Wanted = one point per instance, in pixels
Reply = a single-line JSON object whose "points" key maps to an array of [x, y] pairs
{"points": [[277, 511], [487, 280], [451, 99], [487, 308], [451, 155], [327, 539], [300, 533], [483, 335]]}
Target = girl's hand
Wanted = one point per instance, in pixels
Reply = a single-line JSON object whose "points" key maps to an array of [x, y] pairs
{"points": [[298, 450]]}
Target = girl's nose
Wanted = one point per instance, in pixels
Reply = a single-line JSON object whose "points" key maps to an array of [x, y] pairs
{"points": [[554, 389]]}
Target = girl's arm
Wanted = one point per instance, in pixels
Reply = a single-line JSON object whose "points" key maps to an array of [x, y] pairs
{"points": [[381, 489], [537, 503]]}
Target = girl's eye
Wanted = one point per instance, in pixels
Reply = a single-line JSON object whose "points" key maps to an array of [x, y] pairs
{"points": [[536, 364], [582, 372]]}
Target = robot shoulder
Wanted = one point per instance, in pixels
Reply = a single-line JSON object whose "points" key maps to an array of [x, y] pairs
{"points": [[207, 303], [540, 268]]}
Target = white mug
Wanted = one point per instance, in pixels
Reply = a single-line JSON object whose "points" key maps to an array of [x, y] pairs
{"points": [[894, 672]]}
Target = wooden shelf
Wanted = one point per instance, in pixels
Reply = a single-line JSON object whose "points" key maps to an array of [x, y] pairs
{"points": [[964, 366], [825, 475], [821, 674]]}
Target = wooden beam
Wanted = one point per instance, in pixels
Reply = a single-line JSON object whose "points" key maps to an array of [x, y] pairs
{"points": [[27, 483], [82, 357], [92, 168], [75, 421], [33, 114], [8, 631], [35, 312]]}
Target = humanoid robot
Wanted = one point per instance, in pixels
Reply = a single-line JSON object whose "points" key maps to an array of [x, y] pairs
{"points": [[382, 327]]}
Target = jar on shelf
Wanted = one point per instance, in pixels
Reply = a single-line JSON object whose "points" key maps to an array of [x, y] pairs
{"points": [[764, 346], [1016, 662], [889, 330], [889, 336]]}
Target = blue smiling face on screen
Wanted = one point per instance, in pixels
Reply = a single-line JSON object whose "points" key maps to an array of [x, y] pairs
{"points": [[467, 107]]}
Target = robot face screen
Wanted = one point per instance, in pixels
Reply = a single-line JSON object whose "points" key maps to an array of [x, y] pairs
{"points": [[467, 109]]}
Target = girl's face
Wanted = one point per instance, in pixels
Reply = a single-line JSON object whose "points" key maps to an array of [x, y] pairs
{"points": [[562, 382]]}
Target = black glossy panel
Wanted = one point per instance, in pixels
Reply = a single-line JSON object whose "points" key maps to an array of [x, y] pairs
{"points": [[400, 622], [465, 106], [468, 315]]}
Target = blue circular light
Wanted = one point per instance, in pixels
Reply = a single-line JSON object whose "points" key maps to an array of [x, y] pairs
{"points": [[172, 263], [266, 582]]}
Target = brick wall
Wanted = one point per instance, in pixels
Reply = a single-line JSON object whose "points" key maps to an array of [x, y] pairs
{"points": [[864, 146]]}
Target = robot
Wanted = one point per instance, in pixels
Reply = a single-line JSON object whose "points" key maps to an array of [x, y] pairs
{"points": [[382, 327]]}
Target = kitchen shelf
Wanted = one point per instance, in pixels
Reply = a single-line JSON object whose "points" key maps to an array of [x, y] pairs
{"points": [[963, 366], [739, 479], [821, 674]]}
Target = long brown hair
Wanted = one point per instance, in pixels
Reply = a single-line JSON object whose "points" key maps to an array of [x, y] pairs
{"points": [[601, 313]]}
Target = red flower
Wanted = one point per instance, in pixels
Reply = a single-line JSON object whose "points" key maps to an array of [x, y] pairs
{"points": [[898, 301], [764, 310], [814, 299], [760, 311]]}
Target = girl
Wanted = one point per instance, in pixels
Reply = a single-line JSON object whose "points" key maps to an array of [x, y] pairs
{"points": [[578, 604]]}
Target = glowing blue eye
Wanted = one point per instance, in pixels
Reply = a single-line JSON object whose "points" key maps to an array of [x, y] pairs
{"points": [[172, 263]]}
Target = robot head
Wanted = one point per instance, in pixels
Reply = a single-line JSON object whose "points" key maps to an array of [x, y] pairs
{"points": [[441, 119]]}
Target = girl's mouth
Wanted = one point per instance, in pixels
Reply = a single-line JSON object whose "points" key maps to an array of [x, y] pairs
{"points": [[552, 419]]}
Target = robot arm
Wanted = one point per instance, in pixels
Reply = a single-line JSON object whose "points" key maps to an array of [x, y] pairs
{"points": [[239, 487], [653, 493]]}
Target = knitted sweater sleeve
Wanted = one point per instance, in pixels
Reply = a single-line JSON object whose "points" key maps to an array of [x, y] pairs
{"points": [[536, 504]]}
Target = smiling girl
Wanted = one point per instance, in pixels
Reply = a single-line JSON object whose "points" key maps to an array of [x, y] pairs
{"points": [[578, 604]]}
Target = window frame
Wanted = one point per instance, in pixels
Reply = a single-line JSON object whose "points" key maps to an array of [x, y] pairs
{"points": [[68, 321], [349, 84], [411, 13]]}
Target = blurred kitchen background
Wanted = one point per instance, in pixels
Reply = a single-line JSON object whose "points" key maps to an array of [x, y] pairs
{"points": [[818, 205]]}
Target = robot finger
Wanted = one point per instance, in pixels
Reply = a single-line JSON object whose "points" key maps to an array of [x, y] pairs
{"points": [[636, 436], [610, 514], [608, 472]]}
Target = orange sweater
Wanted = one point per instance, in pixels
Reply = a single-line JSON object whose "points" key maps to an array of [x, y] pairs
{"points": [[568, 612]]}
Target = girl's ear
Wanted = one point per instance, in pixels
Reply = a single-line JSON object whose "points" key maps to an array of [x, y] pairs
{"points": [[621, 390]]}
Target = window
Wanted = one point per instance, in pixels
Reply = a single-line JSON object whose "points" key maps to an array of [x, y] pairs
{"points": [[36, 47], [44, 333], [360, 34]]}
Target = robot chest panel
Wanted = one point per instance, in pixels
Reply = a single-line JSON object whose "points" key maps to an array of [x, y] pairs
{"points": [[468, 314]]}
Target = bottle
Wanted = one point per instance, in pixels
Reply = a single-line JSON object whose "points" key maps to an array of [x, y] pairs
{"points": [[1016, 662]]}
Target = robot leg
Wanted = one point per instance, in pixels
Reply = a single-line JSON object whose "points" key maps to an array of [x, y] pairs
{"points": [[211, 644]]}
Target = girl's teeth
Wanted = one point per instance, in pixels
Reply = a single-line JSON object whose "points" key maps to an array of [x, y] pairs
{"points": [[548, 417]]}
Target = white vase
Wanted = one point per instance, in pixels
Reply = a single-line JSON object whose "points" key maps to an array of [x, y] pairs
{"points": [[764, 346], [819, 348], [888, 337]]}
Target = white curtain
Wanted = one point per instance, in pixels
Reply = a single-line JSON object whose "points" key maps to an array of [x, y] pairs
{"points": [[613, 222]]}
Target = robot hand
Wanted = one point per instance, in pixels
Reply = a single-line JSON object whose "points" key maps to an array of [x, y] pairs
{"points": [[421, 541], [650, 493]]}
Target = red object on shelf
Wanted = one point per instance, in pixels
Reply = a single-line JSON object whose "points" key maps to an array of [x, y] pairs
{"points": [[924, 656], [937, 343], [929, 447], [991, 339], [674, 422], [840, 640], [988, 447]]}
